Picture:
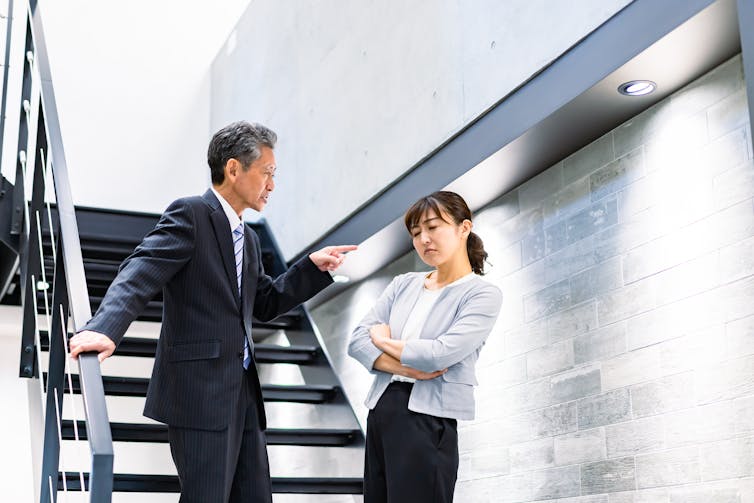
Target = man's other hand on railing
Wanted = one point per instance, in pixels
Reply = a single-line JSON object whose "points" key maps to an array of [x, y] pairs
{"points": [[88, 340]]}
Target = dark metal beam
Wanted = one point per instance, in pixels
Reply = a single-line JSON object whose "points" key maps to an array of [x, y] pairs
{"points": [[629, 32]]}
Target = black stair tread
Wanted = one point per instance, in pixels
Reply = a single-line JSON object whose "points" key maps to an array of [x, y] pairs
{"points": [[297, 354], [276, 324], [123, 482], [158, 433], [264, 353], [308, 393], [137, 387], [85, 237], [97, 272], [152, 311]]}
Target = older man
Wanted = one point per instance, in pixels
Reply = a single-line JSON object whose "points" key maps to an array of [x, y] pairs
{"points": [[208, 264]]}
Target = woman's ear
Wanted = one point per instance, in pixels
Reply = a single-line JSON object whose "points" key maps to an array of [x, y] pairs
{"points": [[466, 225]]}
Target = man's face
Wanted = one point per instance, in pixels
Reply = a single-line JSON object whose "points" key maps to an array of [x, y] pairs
{"points": [[254, 185]]}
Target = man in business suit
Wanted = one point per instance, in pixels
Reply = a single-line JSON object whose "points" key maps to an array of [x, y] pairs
{"points": [[207, 263]]}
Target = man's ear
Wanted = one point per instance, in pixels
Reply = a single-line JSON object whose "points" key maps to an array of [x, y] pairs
{"points": [[232, 168]]}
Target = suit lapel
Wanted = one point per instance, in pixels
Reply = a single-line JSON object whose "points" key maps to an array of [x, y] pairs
{"points": [[224, 241]]}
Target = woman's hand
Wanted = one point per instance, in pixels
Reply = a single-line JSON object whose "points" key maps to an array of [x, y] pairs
{"points": [[422, 376], [387, 363]]}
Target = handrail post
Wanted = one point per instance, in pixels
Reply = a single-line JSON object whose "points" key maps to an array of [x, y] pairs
{"points": [[31, 263], [19, 194], [55, 383]]}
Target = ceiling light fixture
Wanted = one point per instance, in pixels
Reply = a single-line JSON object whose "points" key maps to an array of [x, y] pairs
{"points": [[637, 88], [340, 278]]}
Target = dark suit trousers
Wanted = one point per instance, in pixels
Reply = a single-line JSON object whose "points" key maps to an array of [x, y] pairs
{"points": [[410, 457], [228, 465]]}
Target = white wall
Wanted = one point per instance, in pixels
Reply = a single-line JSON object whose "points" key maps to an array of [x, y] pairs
{"points": [[361, 91], [132, 84], [15, 70], [15, 463]]}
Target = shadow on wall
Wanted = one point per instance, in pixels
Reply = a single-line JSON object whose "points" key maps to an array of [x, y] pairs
{"points": [[623, 359]]}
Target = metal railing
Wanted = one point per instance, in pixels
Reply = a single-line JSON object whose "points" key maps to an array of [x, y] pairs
{"points": [[39, 128]]}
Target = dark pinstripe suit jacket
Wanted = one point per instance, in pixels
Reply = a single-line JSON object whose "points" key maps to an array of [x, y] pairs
{"points": [[189, 255]]}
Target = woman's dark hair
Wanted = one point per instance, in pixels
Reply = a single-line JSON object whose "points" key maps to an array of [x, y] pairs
{"points": [[456, 208]]}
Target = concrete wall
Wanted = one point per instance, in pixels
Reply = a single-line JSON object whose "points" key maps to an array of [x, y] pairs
{"points": [[621, 369], [359, 92]]}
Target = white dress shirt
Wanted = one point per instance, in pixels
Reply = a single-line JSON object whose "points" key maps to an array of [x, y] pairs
{"points": [[233, 218]]}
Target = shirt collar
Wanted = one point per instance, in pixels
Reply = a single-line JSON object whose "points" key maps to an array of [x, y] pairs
{"points": [[233, 218]]}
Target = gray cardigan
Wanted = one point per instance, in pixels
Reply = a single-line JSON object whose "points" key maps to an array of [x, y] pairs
{"points": [[454, 333]]}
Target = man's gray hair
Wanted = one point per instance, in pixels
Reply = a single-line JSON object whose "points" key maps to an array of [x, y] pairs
{"points": [[241, 141]]}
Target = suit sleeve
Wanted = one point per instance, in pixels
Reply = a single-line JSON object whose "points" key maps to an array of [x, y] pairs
{"points": [[298, 284], [162, 253], [360, 346], [473, 323]]}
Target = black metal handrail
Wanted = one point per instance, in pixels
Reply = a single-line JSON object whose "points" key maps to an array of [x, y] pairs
{"points": [[70, 293]]}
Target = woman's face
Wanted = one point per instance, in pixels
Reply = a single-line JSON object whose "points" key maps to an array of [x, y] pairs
{"points": [[437, 239]]}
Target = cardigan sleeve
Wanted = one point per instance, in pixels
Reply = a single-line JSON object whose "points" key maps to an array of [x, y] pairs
{"points": [[360, 346], [473, 323]]}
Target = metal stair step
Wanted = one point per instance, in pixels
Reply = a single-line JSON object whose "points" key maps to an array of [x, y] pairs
{"points": [[169, 484], [97, 272], [137, 387], [263, 353], [153, 311], [158, 433]]}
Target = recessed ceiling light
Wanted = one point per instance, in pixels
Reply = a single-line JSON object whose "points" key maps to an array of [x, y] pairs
{"points": [[340, 278], [637, 88]]}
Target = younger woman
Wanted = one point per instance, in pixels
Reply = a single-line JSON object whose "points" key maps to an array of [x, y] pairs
{"points": [[422, 340]]}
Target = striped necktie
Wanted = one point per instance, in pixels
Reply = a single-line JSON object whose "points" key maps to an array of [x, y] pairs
{"points": [[238, 251]]}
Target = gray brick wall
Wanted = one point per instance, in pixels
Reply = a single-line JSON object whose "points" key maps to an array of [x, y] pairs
{"points": [[622, 367]]}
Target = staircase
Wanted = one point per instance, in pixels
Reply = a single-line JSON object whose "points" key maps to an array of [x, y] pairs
{"points": [[57, 261]]}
